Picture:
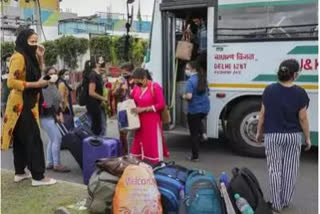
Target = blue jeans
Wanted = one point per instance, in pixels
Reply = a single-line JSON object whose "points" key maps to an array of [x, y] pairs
{"points": [[53, 148]]}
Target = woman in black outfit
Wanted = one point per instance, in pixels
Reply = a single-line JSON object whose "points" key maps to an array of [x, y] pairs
{"points": [[95, 96]]}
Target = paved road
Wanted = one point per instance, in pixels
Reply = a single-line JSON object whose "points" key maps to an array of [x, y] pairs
{"points": [[216, 157]]}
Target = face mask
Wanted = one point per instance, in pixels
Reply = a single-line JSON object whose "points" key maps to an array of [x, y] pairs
{"points": [[33, 48], [7, 64], [66, 78], [139, 84], [188, 73], [53, 78]]}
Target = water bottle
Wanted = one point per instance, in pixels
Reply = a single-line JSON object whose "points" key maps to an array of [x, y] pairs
{"points": [[224, 179], [243, 205]]}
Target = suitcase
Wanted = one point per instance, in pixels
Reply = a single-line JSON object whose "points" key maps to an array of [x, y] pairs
{"points": [[95, 148], [73, 142], [84, 120]]}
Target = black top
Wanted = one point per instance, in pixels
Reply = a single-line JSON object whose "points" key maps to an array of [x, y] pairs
{"points": [[282, 106], [97, 79]]}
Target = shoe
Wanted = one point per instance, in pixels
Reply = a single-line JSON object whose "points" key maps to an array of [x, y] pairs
{"points": [[269, 203], [204, 137], [61, 168], [49, 167], [18, 178], [193, 159], [43, 182], [61, 210]]}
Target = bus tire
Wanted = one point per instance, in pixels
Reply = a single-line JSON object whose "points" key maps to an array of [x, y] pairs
{"points": [[242, 126]]}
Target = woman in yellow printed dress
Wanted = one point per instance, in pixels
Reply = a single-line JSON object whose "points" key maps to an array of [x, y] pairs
{"points": [[21, 119]]}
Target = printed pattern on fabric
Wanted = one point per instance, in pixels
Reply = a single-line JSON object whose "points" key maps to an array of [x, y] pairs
{"points": [[16, 81], [283, 157]]}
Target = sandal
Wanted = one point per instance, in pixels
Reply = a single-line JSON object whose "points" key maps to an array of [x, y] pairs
{"points": [[61, 168]]}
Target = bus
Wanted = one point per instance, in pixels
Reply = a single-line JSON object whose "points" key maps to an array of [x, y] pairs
{"points": [[245, 41]]}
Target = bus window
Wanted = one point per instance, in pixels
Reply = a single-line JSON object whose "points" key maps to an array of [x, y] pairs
{"points": [[268, 22]]}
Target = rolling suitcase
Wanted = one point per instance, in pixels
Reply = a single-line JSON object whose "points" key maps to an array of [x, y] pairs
{"points": [[73, 140], [95, 148]]}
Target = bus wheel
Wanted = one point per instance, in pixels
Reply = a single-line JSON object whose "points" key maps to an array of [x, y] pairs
{"points": [[242, 128]]}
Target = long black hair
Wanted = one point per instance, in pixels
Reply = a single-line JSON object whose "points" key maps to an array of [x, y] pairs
{"points": [[202, 80], [33, 71]]}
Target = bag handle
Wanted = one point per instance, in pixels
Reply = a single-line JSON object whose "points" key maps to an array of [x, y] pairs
{"points": [[95, 142], [187, 34]]}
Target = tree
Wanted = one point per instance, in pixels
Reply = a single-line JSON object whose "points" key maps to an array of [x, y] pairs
{"points": [[7, 48], [119, 46], [70, 48], [51, 53], [101, 45]]}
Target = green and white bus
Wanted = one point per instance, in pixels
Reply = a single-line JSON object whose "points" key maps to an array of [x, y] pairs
{"points": [[246, 42]]}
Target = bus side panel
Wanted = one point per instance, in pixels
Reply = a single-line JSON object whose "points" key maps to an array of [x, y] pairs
{"points": [[155, 63]]}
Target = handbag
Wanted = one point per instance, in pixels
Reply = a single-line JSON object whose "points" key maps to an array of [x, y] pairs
{"points": [[185, 47], [165, 113], [116, 166], [126, 119]]}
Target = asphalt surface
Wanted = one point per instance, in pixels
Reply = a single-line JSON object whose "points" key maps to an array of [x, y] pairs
{"points": [[215, 157]]}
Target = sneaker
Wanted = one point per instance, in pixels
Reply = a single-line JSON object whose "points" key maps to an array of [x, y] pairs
{"points": [[44, 182], [204, 137], [49, 167], [18, 178], [193, 159], [61, 168]]}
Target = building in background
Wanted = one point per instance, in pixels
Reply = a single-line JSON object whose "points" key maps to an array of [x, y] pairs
{"points": [[105, 23], [20, 13], [55, 22]]}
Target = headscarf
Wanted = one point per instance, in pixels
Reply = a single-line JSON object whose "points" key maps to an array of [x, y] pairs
{"points": [[33, 72]]}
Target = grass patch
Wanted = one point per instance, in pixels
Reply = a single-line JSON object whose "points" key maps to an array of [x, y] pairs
{"points": [[22, 198]]}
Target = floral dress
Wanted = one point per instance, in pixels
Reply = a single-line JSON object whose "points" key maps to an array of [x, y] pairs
{"points": [[16, 81]]}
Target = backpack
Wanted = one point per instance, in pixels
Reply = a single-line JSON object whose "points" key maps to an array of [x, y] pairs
{"points": [[101, 190], [245, 183], [137, 192], [201, 194], [171, 180], [82, 93]]}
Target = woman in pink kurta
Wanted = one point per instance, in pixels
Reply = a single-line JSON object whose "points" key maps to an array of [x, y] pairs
{"points": [[148, 142]]}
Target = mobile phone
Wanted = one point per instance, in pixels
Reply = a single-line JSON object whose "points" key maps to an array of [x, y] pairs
{"points": [[47, 77]]}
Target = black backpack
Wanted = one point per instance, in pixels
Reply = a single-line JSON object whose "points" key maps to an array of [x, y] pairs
{"points": [[82, 93], [245, 183]]}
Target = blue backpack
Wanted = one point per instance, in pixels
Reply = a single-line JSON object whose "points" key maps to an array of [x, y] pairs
{"points": [[170, 179], [201, 194]]}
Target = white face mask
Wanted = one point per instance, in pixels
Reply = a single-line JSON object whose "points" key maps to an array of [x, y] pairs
{"points": [[66, 78], [7, 64], [53, 78], [188, 73]]}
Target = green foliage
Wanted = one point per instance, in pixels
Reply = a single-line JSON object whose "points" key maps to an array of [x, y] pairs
{"points": [[102, 46], [139, 48], [51, 53], [7, 48], [119, 46], [69, 48]]}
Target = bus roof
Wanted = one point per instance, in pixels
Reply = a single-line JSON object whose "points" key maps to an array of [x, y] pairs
{"points": [[185, 4]]}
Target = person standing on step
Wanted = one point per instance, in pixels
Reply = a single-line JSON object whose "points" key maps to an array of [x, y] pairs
{"points": [[282, 119], [196, 93], [23, 109]]}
